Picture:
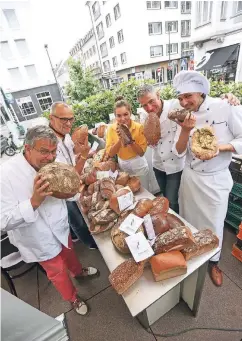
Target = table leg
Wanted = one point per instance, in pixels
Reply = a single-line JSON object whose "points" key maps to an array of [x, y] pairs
{"points": [[192, 287]]}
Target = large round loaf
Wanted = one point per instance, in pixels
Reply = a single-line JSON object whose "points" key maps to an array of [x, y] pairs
{"points": [[113, 203], [63, 179], [80, 134], [204, 143], [160, 205], [125, 134], [122, 178], [178, 114], [142, 208], [152, 130], [106, 166], [174, 221], [134, 184], [160, 223], [118, 238]]}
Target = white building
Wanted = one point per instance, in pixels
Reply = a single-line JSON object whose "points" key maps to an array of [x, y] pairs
{"points": [[217, 38], [133, 40]]}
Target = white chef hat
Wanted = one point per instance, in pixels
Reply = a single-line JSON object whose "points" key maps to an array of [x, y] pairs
{"points": [[191, 81]]}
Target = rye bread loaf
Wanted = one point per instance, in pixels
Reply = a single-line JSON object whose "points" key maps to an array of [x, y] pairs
{"points": [[152, 130], [174, 221], [178, 114], [125, 275], [160, 205], [125, 134], [94, 187], [80, 134], [118, 238], [96, 229], [104, 217], [134, 184], [101, 130], [122, 178], [160, 223], [142, 207], [204, 143], [113, 202], [64, 181], [107, 188], [106, 166]]}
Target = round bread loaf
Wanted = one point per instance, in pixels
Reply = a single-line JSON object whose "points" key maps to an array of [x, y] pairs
{"points": [[152, 130], [91, 178], [63, 179], [101, 131], [80, 134], [142, 208], [134, 184], [204, 143], [118, 238], [178, 114], [160, 205], [106, 166], [107, 188], [174, 221], [113, 203], [160, 223], [122, 178]]}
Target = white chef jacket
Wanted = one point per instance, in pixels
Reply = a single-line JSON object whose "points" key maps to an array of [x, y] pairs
{"points": [[65, 153], [163, 156], [226, 120], [40, 234]]}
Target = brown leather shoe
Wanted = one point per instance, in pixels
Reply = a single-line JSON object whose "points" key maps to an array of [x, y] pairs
{"points": [[216, 275]]}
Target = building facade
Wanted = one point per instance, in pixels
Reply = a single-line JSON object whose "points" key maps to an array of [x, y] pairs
{"points": [[217, 39], [24, 64], [145, 39]]}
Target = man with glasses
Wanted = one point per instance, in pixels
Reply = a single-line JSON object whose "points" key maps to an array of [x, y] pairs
{"points": [[61, 121], [36, 222]]}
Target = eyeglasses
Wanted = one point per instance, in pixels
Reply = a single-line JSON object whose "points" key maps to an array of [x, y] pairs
{"points": [[46, 152], [65, 119]]}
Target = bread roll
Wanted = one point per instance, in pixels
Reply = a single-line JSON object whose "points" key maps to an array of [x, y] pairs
{"points": [[160, 205], [174, 221], [160, 223], [178, 238], [122, 179], [205, 241], [125, 275], [64, 181], [134, 184], [168, 265], [113, 202], [107, 188], [142, 207]]}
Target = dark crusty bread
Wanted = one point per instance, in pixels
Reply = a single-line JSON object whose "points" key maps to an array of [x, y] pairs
{"points": [[125, 275], [205, 241], [177, 238], [174, 221]]}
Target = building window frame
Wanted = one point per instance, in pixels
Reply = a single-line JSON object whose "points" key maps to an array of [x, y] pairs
{"points": [[96, 12], [171, 47], [186, 30], [152, 51], [100, 30], [104, 51], [117, 12], [171, 4], [203, 13], [186, 9], [153, 5], [223, 14], [123, 60], [172, 23], [120, 35], [111, 42], [26, 106], [48, 98], [108, 20], [115, 61], [105, 68], [151, 30]]}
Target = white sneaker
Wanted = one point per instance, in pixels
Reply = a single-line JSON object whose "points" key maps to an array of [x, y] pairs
{"points": [[88, 272], [80, 307]]}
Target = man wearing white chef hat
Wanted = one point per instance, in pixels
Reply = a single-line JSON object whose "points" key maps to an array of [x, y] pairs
{"points": [[206, 183]]}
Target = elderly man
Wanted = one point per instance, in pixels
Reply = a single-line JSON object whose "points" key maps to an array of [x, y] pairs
{"points": [[61, 121], [167, 166], [37, 224], [206, 181]]}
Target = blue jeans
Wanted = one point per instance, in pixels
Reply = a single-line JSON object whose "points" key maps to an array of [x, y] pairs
{"points": [[169, 185], [78, 225]]}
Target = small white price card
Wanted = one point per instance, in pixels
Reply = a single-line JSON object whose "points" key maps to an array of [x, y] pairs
{"points": [[94, 146], [149, 227], [113, 175], [131, 224], [139, 246], [102, 174], [126, 200]]}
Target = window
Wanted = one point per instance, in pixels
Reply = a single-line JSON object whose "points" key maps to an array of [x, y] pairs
{"points": [[26, 106], [87, 54], [96, 10], [171, 26], [123, 58], [155, 28], [156, 51], [111, 42], [185, 46], [22, 47], [153, 4], [90, 52], [16, 75], [171, 4], [186, 7], [6, 52], [203, 12], [45, 100], [173, 49], [185, 28], [100, 31], [108, 20], [115, 61], [117, 13], [106, 66], [94, 49], [223, 10], [158, 75], [238, 7], [31, 71], [11, 17], [104, 50], [120, 36]]}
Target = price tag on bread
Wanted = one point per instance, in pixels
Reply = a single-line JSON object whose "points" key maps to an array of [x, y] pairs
{"points": [[131, 224], [102, 174], [139, 247], [126, 200], [113, 175], [149, 227]]}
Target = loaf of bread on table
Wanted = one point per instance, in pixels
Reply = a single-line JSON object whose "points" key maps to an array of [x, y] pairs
{"points": [[168, 265], [178, 238], [205, 241], [125, 275]]}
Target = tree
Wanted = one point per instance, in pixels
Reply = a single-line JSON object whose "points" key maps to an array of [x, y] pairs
{"points": [[82, 83]]}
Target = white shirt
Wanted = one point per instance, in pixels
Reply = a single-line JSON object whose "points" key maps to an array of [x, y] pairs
{"points": [[163, 157], [40, 234], [226, 120], [65, 153]]}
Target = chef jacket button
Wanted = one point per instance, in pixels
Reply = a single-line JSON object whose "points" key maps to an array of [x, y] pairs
{"points": [[207, 121], [169, 141], [168, 132], [202, 170], [171, 159], [163, 160], [171, 151], [207, 108], [203, 160], [194, 159]]}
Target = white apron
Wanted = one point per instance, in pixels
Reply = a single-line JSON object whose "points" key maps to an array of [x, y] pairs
{"points": [[137, 166], [209, 207]]}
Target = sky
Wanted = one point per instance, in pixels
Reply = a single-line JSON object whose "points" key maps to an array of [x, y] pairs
{"points": [[59, 24]]}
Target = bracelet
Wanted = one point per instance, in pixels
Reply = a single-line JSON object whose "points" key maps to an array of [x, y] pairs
{"points": [[83, 158]]}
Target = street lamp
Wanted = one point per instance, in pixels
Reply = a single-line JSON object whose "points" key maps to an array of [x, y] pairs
{"points": [[53, 71]]}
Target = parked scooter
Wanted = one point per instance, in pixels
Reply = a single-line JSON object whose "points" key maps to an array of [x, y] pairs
{"points": [[12, 149]]}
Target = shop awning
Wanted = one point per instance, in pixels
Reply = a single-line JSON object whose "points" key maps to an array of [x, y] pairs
{"points": [[216, 59]]}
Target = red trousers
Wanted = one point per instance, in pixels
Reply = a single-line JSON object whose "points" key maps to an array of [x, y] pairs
{"points": [[57, 270]]}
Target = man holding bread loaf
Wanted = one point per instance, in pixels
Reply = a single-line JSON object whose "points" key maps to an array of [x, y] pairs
{"points": [[37, 222], [209, 134], [61, 121]]}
